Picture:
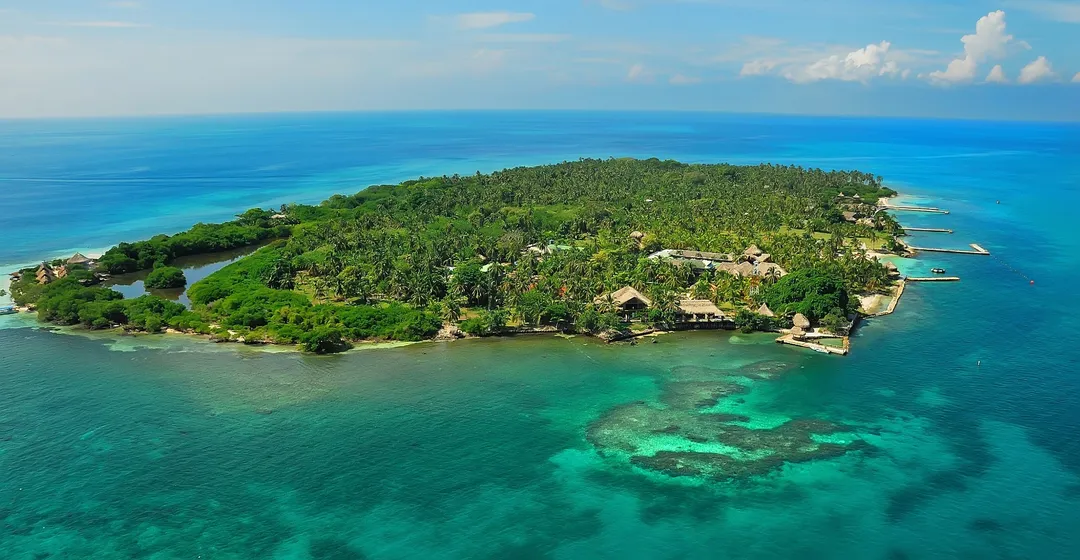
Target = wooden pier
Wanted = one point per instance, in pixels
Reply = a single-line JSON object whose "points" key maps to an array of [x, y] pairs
{"points": [[930, 230], [927, 209], [790, 340], [976, 250], [936, 279]]}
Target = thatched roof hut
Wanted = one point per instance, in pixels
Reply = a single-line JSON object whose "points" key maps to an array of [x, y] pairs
{"points": [[798, 332], [626, 297], [753, 251], [702, 307], [801, 321], [45, 274], [79, 258], [764, 310], [637, 235]]}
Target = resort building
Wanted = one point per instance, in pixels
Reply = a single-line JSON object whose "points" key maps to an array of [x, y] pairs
{"points": [[699, 311], [80, 260], [679, 254], [626, 301], [754, 262], [765, 311], [549, 249], [45, 274]]}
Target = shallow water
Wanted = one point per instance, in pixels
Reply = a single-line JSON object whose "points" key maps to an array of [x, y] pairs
{"points": [[167, 447], [195, 268]]}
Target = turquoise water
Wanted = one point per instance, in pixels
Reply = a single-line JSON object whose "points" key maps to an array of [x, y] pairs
{"points": [[160, 447]]}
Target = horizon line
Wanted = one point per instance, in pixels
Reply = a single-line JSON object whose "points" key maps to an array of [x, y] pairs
{"points": [[180, 115]]}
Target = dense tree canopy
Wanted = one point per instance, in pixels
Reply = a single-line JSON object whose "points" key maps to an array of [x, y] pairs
{"points": [[529, 245], [166, 277], [815, 292]]}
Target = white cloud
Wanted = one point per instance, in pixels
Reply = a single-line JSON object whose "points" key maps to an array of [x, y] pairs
{"points": [[857, 66], [1076, 78], [997, 76], [485, 20], [1066, 12], [989, 41], [636, 72], [757, 67], [1038, 70], [684, 80]]}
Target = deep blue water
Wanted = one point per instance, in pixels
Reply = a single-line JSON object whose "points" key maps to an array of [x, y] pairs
{"points": [[478, 449]]}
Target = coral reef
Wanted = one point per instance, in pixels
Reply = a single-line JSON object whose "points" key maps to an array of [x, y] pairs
{"points": [[679, 436]]}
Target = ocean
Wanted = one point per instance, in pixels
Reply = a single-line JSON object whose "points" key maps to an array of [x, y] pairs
{"points": [[958, 414]]}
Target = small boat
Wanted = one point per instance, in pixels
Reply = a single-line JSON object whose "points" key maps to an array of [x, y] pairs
{"points": [[8, 310], [937, 270]]}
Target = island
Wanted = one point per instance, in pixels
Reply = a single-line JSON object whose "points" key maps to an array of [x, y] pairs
{"points": [[616, 248]]}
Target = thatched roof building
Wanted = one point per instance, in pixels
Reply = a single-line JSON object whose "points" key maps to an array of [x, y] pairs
{"points": [[626, 298], [764, 310], [79, 258], [699, 311], [700, 307], [801, 321], [753, 251], [45, 274], [798, 332], [690, 255], [749, 269], [637, 235]]}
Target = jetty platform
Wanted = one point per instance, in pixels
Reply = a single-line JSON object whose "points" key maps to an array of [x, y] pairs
{"points": [[930, 230], [927, 209], [975, 250], [791, 341], [936, 279]]}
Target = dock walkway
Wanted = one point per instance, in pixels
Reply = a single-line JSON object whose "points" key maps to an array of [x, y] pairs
{"points": [[929, 230], [976, 250], [927, 209], [790, 340], [935, 279]]}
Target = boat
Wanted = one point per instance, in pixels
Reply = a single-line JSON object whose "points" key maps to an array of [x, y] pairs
{"points": [[8, 310], [938, 270]]}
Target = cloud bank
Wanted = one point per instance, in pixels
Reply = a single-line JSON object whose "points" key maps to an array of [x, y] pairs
{"points": [[1037, 71], [989, 41], [486, 20]]}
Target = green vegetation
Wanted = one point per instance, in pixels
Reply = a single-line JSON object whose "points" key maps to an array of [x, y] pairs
{"points": [[816, 292], [525, 246], [249, 228], [166, 277], [67, 302]]}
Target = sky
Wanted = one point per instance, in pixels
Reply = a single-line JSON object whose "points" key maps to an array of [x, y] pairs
{"points": [[994, 60]]}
